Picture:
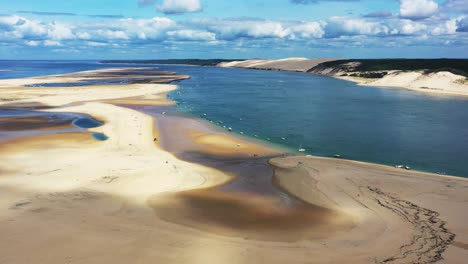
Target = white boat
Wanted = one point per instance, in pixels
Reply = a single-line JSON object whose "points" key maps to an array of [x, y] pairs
{"points": [[302, 150]]}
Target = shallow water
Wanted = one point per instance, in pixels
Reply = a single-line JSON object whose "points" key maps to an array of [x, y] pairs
{"points": [[322, 115], [86, 122], [18, 122], [100, 136], [327, 116]]}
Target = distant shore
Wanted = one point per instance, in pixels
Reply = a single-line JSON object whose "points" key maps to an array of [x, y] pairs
{"points": [[171, 189], [416, 75]]}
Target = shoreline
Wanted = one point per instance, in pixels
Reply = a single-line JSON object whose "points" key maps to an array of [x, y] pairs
{"points": [[458, 86], [368, 83], [122, 189]]}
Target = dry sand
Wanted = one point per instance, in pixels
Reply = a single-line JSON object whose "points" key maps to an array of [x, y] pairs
{"points": [[442, 83], [67, 198], [288, 64]]}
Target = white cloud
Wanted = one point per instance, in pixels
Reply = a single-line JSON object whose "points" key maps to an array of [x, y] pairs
{"points": [[32, 43], [338, 26], [179, 6], [243, 33], [187, 34], [447, 28], [418, 9], [52, 43], [308, 30], [230, 29], [112, 34], [59, 31], [408, 27]]}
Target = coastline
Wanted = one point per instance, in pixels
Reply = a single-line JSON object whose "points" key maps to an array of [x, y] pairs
{"points": [[119, 190], [439, 83]]}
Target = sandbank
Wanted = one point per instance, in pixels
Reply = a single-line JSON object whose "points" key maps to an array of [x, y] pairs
{"points": [[67, 198]]}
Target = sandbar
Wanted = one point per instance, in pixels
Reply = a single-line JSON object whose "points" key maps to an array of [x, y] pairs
{"points": [[67, 198]]}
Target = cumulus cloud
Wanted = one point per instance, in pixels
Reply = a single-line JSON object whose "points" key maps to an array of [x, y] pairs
{"points": [[233, 32], [447, 28], [192, 35], [179, 6], [418, 9], [338, 26]]}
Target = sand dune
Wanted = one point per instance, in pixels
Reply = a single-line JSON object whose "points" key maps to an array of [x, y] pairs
{"points": [[288, 64], [441, 82]]}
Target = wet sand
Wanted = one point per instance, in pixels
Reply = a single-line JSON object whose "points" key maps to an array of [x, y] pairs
{"points": [[248, 205], [166, 189]]}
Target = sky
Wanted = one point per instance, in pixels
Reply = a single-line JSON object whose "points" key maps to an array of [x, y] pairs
{"points": [[233, 29]]}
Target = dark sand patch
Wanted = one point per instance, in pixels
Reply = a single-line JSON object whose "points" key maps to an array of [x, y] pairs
{"points": [[248, 205], [38, 122], [249, 216]]}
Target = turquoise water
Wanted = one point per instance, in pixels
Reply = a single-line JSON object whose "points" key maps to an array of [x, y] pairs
{"points": [[326, 116], [86, 122], [322, 115], [100, 136]]}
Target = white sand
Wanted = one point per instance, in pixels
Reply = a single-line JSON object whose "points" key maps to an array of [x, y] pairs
{"points": [[288, 64], [71, 199]]}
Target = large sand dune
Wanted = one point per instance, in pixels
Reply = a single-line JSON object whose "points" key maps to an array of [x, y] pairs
{"points": [[288, 64]]}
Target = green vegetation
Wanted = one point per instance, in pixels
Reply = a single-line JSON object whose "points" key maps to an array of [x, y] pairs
{"points": [[455, 66], [373, 75], [198, 62]]}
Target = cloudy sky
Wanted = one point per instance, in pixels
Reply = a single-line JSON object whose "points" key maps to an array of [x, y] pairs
{"points": [[158, 29]]}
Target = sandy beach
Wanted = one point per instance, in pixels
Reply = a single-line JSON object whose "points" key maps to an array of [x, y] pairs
{"points": [[170, 189]]}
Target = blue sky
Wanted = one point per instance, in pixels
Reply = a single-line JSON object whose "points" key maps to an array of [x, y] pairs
{"points": [[158, 29]]}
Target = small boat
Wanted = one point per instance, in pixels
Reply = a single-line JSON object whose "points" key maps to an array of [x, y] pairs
{"points": [[283, 138], [302, 150], [255, 135], [337, 156], [242, 133], [229, 129], [407, 168], [399, 166], [268, 139]]}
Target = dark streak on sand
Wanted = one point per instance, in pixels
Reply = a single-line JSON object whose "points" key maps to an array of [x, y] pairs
{"points": [[430, 238]]}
